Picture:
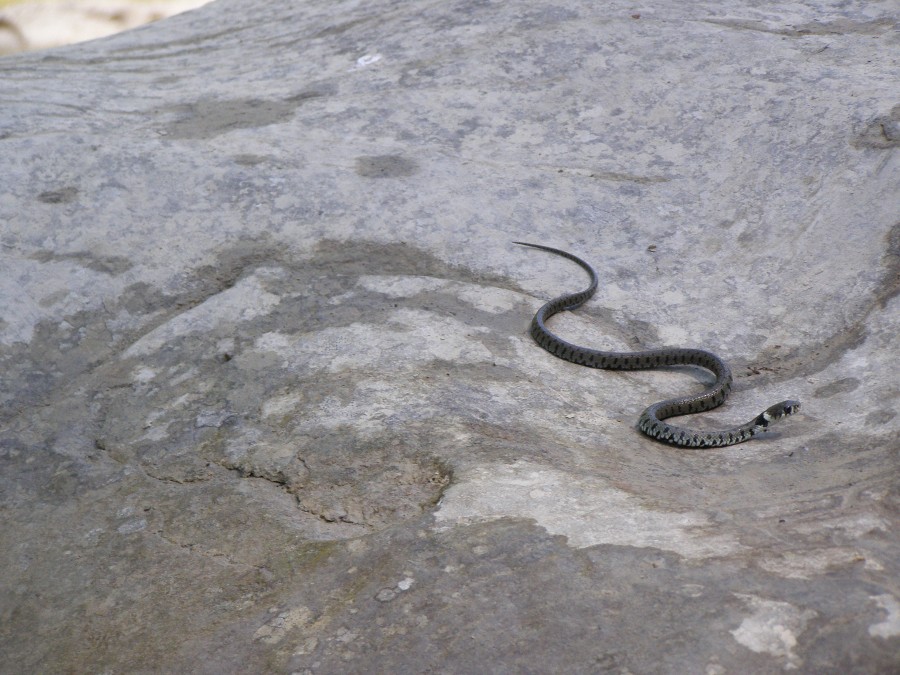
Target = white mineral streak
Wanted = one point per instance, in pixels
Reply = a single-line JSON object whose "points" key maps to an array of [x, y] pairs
{"points": [[586, 509], [244, 301], [890, 627], [772, 629]]}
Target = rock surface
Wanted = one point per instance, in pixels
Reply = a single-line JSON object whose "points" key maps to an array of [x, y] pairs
{"points": [[268, 400]]}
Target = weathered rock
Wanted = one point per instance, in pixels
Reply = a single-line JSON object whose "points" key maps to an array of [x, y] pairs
{"points": [[269, 403]]}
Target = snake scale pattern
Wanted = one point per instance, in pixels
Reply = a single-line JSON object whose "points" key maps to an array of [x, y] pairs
{"points": [[651, 420]]}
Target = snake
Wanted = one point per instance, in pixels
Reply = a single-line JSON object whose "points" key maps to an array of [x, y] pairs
{"points": [[651, 420]]}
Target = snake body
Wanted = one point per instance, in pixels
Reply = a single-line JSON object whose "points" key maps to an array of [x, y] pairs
{"points": [[651, 420]]}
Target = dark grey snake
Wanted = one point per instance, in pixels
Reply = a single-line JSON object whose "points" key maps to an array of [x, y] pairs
{"points": [[651, 421]]}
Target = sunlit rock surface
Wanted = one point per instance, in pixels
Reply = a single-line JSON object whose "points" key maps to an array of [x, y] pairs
{"points": [[268, 401]]}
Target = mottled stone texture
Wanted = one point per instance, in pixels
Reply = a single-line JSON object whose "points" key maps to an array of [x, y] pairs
{"points": [[268, 402]]}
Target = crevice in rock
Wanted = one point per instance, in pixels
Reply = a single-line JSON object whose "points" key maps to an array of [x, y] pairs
{"points": [[196, 549]]}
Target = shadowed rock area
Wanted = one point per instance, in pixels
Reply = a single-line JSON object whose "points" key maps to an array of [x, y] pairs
{"points": [[268, 399]]}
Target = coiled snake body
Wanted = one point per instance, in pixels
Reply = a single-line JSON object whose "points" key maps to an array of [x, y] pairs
{"points": [[651, 420]]}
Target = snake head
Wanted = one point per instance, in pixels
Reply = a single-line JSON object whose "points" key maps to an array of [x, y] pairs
{"points": [[779, 410]]}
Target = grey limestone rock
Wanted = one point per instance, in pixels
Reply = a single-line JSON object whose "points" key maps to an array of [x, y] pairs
{"points": [[268, 402]]}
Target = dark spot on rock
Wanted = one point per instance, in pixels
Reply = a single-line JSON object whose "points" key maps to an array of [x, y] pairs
{"points": [[878, 417], [841, 386], [841, 26], [249, 160], [385, 166], [339, 28], [210, 118], [307, 94], [167, 79], [890, 284], [110, 264], [61, 196]]}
